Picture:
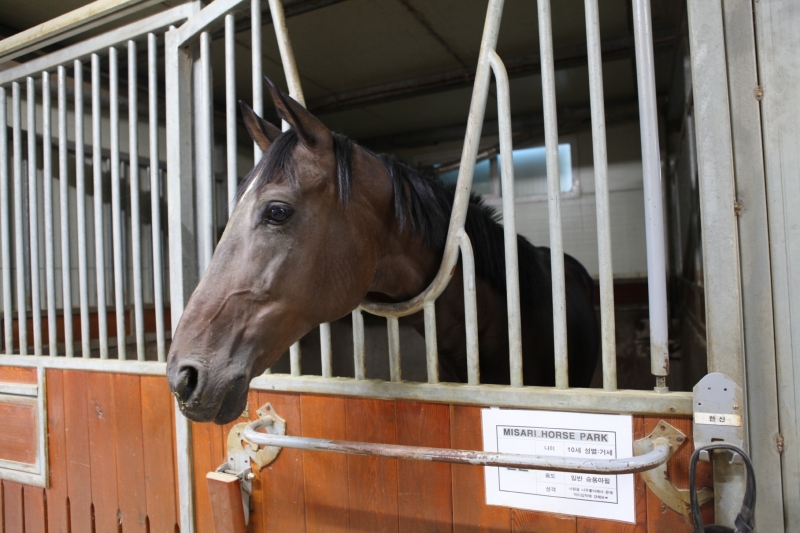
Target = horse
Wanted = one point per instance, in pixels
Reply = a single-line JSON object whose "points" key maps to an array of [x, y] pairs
{"points": [[321, 223]]}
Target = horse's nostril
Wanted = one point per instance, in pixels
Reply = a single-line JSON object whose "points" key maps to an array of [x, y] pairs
{"points": [[188, 378]]}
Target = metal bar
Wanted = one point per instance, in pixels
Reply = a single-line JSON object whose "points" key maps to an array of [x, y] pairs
{"points": [[136, 225], [607, 324], [206, 20], [464, 184], [662, 449], [116, 205], [295, 355], [653, 205], [326, 350], [509, 220], [63, 185], [255, 55], [155, 194], [97, 193], [84, 49], [393, 332], [286, 51], [205, 174], [230, 109], [19, 228], [5, 234], [49, 237], [142, 368], [431, 346], [573, 399], [470, 308], [33, 220], [553, 196], [359, 346], [80, 192]]}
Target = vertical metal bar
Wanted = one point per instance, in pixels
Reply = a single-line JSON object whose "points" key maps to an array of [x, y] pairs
{"points": [[5, 234], [431, 347], [393, 332], [80, 190], [19, 228], [359, 346], [230, 108], [470, 308], [97, 170], [509, 220], [553, 195], [155, 196], [255, 54], [295, 354], [49, 237], [205, 174], [184, 448], [136, 224], [116, 205], [63, 185], [326, 351], [286, 51], [33, 220], [653, 208], [607, 324]]}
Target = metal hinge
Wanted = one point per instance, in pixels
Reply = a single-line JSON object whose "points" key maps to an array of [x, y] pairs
{"points": [[779, 443]]}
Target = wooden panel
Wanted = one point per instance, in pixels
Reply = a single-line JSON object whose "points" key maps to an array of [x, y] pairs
{"points": [[18, 439], [130, 454], [372, 480], [13, 510], [57, 451], [226, 502], [324, 474], [536, 522], [424, 489], [659, 517], [470, 512], [79, 482], [16, 374], [593, 525], [157, 442], [2, 518], [101, 414], [202, 460], [35, 512], [282, 482]]}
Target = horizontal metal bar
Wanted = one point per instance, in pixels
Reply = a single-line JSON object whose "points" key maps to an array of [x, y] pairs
{"points": [[207, 19], [115, 366], [83, 49], [658, 455], [20, 389], [582, 400]]}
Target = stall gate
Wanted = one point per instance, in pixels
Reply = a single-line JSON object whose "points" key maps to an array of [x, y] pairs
{"points": [[112, 452]]}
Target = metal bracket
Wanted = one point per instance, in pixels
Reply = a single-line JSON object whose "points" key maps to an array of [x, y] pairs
{"points": [[244, 457], [657, 478], [718, 408]]}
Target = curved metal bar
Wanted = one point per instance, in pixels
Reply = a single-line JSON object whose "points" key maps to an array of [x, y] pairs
{"points": [[663, 446], [470, 308]]}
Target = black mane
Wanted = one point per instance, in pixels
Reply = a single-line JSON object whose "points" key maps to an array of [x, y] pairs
{"points": [[422, 203]]}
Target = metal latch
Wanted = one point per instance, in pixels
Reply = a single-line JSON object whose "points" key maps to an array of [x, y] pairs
{"points": [[718, 414]]}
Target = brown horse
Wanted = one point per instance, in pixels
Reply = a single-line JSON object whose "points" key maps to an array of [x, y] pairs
{"points": [[322, 223]]}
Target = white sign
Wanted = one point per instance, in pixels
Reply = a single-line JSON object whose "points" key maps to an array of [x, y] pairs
{"points": [[559, 434]]}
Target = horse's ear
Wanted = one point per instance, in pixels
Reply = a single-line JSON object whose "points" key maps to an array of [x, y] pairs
{"points": [[308, 127], [262, 132]]}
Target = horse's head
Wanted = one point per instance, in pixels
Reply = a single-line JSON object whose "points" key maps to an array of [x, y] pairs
{"points": [[298, 250]]}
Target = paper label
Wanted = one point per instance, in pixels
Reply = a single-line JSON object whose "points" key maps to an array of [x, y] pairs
{"points": [[718, 419]]}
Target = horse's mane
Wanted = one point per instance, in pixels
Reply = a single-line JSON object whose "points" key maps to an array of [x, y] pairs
{"points": [[422, 204]]}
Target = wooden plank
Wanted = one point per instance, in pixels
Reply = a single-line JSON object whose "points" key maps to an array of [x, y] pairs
{"points": [[2, 511], [593, 525], [535, 522], [659, 516], [19, 438], [79, 481], [130, 454], [35, 510], [101, 415], [470, 512], [13, 510], [159, 451], [226, 502], [201, 460], [324, 474], [372, 480], [16, 374], [282, 482], [424, 489], [57, 517]]}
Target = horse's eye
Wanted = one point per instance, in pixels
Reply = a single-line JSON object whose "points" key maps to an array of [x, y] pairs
{"points": [[277, 214]]}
